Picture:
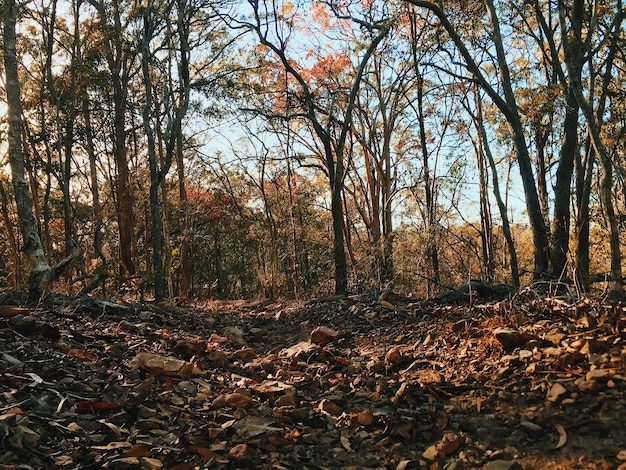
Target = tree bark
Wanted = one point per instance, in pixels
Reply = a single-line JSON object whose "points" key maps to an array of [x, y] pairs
{"points": [[506, 228], [562, 190], [41, 273], [119, 57]]}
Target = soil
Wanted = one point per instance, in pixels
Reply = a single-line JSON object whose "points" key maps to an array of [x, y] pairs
{"points": [[362, 382]]}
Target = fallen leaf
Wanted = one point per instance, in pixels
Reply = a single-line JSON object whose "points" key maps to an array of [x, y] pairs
{"points": [[89, 406], [163, 365], [238, 400], [562, 436], [323, 335], [113, 445], [555, 392]]}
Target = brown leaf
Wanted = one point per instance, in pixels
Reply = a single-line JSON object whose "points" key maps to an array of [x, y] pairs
{"points": [[147, 463], [394, 357], [82, 354], [511, 339], [163, 365], [240, 452], [365, 418], [555, 392], [238, 400], [449, 443], [562, 436], [323, 335], [139, 450]]}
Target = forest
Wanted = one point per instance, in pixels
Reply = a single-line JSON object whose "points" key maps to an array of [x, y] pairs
{"points": [[325, 234], [197, 149]]}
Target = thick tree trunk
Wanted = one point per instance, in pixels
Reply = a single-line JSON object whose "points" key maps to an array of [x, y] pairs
{"points": [[15, 254], [41, 273]]}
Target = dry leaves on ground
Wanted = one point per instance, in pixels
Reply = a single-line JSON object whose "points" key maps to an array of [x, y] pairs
{"points": [[352, 383]]}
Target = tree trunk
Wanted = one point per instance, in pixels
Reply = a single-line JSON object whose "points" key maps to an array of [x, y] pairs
{"points": [[572, 50], [118, 55], [341, 264], [432, 251], [15, 254], [562, 189], [486, 230], [156, 227], [584, 177], [506, 229], [41, 272]]}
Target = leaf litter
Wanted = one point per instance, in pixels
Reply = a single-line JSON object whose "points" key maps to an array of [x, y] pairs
{"points": [[338, 384]]}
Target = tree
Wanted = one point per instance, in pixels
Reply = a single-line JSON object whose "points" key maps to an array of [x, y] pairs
{"points": [[573, 46], [329, 127], [508, 106], [120, 56], [41, 275]]}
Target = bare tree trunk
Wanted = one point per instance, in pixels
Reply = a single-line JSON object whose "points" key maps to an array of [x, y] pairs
{"points": [[41, 273], [506, 229], [432, 249], [584, 177], [15, 254], [562, 189], [486, 226]]}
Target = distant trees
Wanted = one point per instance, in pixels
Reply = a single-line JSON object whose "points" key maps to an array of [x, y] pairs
{"points": [[208, 148]]}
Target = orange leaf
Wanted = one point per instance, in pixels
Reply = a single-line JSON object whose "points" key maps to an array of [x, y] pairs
{"points": [[89, 406]]}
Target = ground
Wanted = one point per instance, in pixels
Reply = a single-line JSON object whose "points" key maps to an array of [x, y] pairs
{"points": [[354, 383]]}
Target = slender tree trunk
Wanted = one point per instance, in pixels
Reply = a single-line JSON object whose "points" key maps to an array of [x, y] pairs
{"points": [[336, 207], [185, 247], [432, 250], [584, 177], [562, 189], [15, 254], [119, 58], [156, 227], [506, 228], [486, 230], [95, 185]]}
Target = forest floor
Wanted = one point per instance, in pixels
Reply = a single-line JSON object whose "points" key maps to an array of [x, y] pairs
{"points": [[356, 383]]}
